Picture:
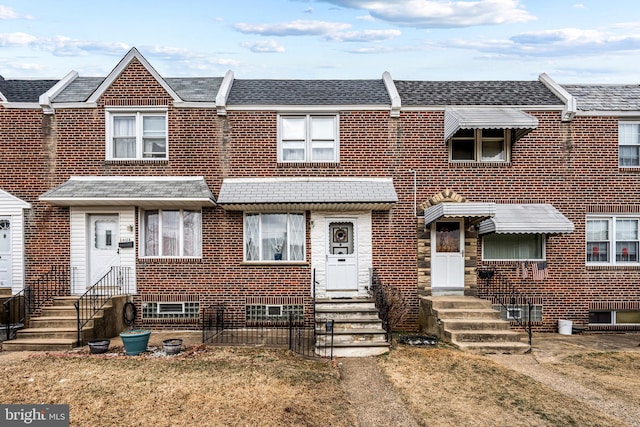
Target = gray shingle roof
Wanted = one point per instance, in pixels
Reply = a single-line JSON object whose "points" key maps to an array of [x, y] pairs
{"points": [[436, 93], [24, 90], [605, 97], [234, 193], [130, 191], [79, 90], [308, 92]]}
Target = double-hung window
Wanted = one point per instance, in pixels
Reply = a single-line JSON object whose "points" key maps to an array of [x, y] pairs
{"points": [[525, 247], [274, 237], [612, 240], [629, 144], [171, 233], [480, 145], [308, 138], [137, 135]]}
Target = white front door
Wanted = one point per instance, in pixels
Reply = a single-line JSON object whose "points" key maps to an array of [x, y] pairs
{"points": [[5, 252], [447, 256], [342, 258], [103, 239]]}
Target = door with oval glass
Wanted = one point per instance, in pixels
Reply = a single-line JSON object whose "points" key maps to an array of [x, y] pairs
{"points": [[103, 245], [447, 259], [342, 258]]}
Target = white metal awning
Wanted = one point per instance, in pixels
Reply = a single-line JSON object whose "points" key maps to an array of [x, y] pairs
{"points": [[529, 218], [458, 210], [488, 118]]}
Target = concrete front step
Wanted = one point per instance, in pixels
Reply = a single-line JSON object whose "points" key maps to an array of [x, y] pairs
{"points": [[40, 344], [56, 322], [345, 337], [458, 302], [359, 349], [468, 313], [482, 336], [65, 301], [42, 333], [475, 324], [5, 292]]}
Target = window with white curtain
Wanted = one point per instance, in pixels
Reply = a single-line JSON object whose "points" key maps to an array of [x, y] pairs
{"points": [[171, 233], [480, 145], [525, 247], [136, 135], [274, 237], [308, 138], [629, 144], [613, 239]]}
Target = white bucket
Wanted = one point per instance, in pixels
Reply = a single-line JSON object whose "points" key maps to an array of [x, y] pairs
{"points": [[565, 327]]}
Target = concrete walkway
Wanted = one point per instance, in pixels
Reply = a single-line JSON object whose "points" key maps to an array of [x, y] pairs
{"points": [[371, 396]]}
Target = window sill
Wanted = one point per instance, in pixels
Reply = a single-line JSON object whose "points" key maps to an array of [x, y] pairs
{"points": [[480, 164], [274, 263], [137, 162], [509, 261], [302, 165], [635, 169], [169, 260], [613, 267]]}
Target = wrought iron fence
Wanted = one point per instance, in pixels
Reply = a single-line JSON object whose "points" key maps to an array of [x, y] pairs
{"points": [[221, 327], [30, 300], [389, 301], [115, 282], [500, 290]]}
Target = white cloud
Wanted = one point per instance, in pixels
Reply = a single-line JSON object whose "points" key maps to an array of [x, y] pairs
{"points": [[442, 14], [578, 6], [265, 46], [8, 13], [363, 36], [293, 28], [16, 39]]}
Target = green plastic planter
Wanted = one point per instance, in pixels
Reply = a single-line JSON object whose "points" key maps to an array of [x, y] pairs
{"points": [[135, 341]]}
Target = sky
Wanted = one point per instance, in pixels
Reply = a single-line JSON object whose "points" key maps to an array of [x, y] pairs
{"points": [[573, 41]]}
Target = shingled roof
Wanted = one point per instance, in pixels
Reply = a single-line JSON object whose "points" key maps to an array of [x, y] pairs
{"points": [[512, 93], [24, 90], [605, 97], [308, 92]]}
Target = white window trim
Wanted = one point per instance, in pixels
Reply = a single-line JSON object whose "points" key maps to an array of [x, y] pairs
{"points": [[139, 112], [477, 144], [160, 304], [142, 237], [261, 259], [627, 122], [307, 149], [614, 320], [611, 218], [544, 253]]}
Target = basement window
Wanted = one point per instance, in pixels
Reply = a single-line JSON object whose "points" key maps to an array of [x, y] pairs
{"points": [[170, 310]]}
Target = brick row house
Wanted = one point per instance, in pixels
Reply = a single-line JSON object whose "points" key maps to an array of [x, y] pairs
{"points": [[265, 194]]}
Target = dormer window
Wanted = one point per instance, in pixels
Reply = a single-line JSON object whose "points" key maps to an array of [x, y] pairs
{"points": [[136, 135], [308, 138], [480, 145]]}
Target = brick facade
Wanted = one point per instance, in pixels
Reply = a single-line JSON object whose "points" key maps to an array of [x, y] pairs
{"points": [[573, 166]]}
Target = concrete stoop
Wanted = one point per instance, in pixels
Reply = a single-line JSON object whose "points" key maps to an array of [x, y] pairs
{"points": [[471, 324], [357, 329], [56, 329]]}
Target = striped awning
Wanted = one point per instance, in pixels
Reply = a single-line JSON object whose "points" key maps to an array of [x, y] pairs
{"points": [[528, 218], [488, 118], [458, 210]]}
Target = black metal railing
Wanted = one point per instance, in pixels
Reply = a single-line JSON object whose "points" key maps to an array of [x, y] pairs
{"points": [[221, 327], [115, 282], [30, 300], [501, 291], [389, 301]]}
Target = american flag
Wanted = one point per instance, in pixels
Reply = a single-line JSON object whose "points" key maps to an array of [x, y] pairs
{"points": [[539, 270]]}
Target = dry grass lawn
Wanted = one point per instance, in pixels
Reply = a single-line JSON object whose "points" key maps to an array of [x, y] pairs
{"points": [[230, 386], [443, 387]]}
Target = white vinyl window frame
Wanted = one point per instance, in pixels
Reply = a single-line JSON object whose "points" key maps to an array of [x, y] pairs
{"points": [[629, 144], [612, 240], [261, 244], [306, 144], [140, 134], [155, 238], [516, 245], [481, 145]]}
